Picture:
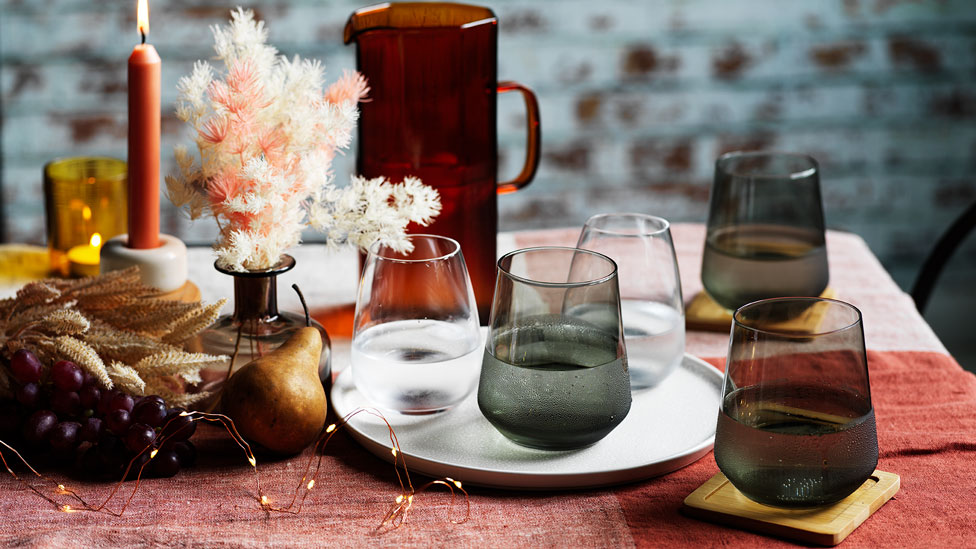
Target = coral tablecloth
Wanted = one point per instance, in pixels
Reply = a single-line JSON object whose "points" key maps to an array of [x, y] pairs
{"points": [[925, 406]]}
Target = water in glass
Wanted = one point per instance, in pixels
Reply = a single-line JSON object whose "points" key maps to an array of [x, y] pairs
{"points": [[747, 263], [655, 337], [793, 455], [416, 365], [565, 388]]}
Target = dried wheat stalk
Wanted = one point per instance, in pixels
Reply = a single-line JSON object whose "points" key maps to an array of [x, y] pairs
{"points": [[113, 327]]}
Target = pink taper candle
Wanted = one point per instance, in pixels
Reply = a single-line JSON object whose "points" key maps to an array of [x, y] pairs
{"points": [[144, 121]]}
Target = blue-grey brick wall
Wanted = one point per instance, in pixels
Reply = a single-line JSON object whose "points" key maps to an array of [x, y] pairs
{"points": [[637, 99]]}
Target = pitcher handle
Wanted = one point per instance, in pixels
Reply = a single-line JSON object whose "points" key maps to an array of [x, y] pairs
{"points": [[534, 138]]}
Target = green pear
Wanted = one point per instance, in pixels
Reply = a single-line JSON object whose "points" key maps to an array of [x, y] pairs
{"points": [[278, 400]]}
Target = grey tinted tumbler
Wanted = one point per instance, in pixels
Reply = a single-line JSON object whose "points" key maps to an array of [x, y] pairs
{"points": [[796, 427], [765, 235], [554, 374]]}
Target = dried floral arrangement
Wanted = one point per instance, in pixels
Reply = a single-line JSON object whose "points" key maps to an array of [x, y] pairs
{"points": [[115, 328], [267, 133]]}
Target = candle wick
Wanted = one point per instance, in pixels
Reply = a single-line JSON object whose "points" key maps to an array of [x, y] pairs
{"points": [[143, 33]]}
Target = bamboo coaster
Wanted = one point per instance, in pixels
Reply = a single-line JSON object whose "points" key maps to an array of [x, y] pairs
{"points": [[702, 313], [718, 501]]}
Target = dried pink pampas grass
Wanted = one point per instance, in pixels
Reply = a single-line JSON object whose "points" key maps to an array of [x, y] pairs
{"points": [[267, 133]]}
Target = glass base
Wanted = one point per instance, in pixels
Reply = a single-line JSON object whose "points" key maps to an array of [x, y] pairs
{"points": [[551, 443]]}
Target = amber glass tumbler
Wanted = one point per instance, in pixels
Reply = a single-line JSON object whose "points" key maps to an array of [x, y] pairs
{"points": [[83, 196]]}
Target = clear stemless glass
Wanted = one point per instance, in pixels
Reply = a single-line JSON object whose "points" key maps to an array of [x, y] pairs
{"points": [[765, 235], [416, 339], [796, 428], [554, 374], [650, 290]]}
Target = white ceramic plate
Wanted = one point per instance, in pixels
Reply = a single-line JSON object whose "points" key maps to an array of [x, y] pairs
{"points": [[668, 427]]}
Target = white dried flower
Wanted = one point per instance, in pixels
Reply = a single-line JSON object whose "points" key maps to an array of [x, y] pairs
{"points": [[371, 210]]}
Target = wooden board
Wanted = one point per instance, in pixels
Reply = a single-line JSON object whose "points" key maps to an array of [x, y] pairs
{"points": [[718, 501], [22, 263], [702, 313], [187, 293]]}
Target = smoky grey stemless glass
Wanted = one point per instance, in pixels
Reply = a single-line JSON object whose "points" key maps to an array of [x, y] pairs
{"points": [[765, 235], [650, 290], [554, 374], [796, 427]]}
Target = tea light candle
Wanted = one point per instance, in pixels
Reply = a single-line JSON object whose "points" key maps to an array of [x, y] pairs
{"points": [[83, 260]]}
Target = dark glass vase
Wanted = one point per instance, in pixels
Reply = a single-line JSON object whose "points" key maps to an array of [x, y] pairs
{"points": [[256, 327]]}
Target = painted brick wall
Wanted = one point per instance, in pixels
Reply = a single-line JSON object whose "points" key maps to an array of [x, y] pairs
{"points": [[637, 99]]}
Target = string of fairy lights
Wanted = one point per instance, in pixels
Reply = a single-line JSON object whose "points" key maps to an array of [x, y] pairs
{"points": [[69, 501]]}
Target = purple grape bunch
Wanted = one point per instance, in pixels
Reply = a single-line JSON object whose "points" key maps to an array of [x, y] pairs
{"points": [[70, 416]]}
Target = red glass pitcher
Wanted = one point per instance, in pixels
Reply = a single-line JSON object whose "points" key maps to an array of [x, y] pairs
{"points": [[432, 72]]}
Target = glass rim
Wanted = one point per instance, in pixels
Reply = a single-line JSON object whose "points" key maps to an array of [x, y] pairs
{"points": [[858, 317], [285, 263], [544, 284], [107, 162], [665, 225], [792, 175], [375, 247]]}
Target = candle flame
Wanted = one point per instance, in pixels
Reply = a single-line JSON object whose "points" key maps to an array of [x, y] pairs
{"points": [[142, 16], [96, 240]]}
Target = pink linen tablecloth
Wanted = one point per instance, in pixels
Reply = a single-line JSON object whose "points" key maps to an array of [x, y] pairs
{"points": [[925, 406]]}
